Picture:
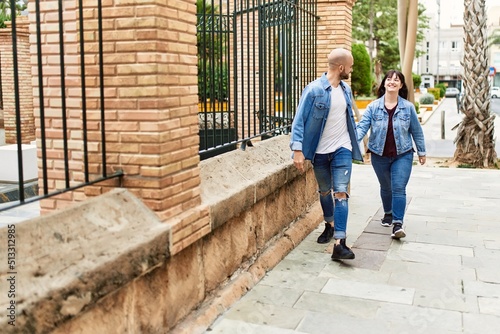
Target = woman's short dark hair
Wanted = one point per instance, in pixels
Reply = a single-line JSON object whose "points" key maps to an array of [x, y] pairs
{"points": [[403, 92]]}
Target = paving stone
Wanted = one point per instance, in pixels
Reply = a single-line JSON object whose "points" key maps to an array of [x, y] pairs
{"points": [[327, 303], [420, 319], [446, 299], [489, 305], [438, 248], [335, 270], [435, 271], [321, 323], [380, 292], [300, 266], [421, 257], [484, 289], [459, 240], [489, 274], [256, 312], [319, 256], [492, 244], [273, 295], [424, 282], [480, 323], [294, 280], [372, 241], [367, 259], [375, 227], [229, 326], [453, 226]]}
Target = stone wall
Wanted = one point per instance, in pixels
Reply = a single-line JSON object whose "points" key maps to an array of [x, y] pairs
{"points": [[104, 266]]}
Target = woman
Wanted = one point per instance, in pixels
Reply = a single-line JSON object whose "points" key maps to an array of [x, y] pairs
{"points": [[394, 124]]}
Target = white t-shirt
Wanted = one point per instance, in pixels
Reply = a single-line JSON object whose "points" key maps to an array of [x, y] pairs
{"points": [[335, 135]]}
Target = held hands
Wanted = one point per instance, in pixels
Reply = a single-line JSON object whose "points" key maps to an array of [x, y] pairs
{"points": [[298, 160], [422, 159]]}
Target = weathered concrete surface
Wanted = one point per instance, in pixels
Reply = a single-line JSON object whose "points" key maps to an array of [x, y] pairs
{"points": [[233, 182], [68, 260], [104, 267]]}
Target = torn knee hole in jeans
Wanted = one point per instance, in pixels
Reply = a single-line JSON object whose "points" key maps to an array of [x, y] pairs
{"points": [[344, 195], [325, 193]]}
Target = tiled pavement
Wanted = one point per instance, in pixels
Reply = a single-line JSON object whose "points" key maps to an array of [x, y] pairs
{"points": [[444, 277]]}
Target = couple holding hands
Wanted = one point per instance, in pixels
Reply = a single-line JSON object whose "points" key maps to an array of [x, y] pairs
{"points": [[324, 132]]}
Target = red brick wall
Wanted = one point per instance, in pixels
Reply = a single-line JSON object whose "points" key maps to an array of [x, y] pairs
{"points": [[334, 29], [150, 80], [24, 82]]}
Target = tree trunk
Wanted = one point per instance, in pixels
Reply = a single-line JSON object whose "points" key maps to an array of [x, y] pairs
{"points": [[407, 23], [475, 142]]}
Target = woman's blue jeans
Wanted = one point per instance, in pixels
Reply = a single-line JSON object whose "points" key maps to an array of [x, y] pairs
{"points": [[393, 174], [333, 170]]}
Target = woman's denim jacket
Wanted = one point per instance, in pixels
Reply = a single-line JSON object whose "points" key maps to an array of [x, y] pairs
{"points": [[310, 119], [405, 125]]}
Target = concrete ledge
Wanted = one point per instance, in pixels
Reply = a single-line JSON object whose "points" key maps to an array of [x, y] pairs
{"points": [[231, 186], [68, 260]]}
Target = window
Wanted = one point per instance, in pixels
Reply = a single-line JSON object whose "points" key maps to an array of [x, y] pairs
{"points": [[454, 46]]}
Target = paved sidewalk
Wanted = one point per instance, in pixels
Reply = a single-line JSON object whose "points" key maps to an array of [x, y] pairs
{"points": [[444, 277]]}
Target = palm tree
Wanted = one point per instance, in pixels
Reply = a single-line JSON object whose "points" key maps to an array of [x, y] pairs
{"points": [[407, 28], [475, 142]]}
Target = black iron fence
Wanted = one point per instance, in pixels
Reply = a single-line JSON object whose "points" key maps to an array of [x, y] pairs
{"points": [[69, 185], [254, 58]]}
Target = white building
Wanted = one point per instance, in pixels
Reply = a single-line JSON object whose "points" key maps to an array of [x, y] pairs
{"points": [[444, 49]]}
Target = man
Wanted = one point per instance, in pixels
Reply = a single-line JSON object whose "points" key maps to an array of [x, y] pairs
{"points": [[324, 132]]}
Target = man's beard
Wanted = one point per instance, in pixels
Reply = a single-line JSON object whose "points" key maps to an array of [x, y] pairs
{"points": [[344, 75]]}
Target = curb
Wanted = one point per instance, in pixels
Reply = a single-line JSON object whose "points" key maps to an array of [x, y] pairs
{"points": [[220, 301]]}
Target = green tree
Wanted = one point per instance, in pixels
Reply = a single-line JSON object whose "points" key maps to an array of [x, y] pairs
{"points": [[442, 89], [375, 24], [213, 36], [494, 39], [417, 80], [475, 140], [361, 77], [5, 12]]}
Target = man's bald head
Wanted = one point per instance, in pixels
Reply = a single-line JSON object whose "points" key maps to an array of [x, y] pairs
{"points": [[339, 56]]}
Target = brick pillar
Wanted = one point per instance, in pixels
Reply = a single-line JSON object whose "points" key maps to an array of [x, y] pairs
{"points": [[334, 29], [150, 84], [24, 81]]}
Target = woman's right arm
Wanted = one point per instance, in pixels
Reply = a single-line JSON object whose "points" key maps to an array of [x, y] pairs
{"points": [[364, 125]]}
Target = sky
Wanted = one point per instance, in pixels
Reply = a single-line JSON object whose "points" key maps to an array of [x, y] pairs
{"points": [[452, 11]]}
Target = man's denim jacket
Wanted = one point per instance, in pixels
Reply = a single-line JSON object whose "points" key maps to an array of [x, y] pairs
{"points": [[310, 119], [405, 125]]}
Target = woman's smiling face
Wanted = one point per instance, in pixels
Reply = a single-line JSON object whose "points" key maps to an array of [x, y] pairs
{"points": [[393, 84]]}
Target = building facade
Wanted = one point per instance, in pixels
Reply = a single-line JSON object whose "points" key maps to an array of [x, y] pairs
{"points": [[443, 48]]}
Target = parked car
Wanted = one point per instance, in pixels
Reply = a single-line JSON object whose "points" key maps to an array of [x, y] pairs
{"points": [[495, 92], [452, 92]]}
